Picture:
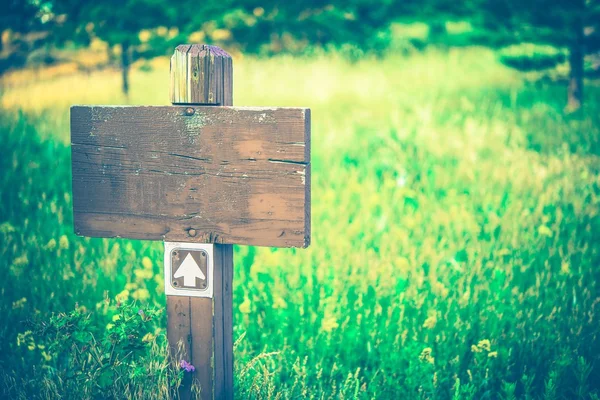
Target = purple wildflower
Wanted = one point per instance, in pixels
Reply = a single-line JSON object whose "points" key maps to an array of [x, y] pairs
{"points": [[141, 312], [187, 366]]}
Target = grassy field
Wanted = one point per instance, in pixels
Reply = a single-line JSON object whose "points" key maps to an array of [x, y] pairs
{"points": [[455, 251]]}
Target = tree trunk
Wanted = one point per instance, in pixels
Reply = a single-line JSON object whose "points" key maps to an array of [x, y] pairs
{"points": [[576, 55], [125, 67]]}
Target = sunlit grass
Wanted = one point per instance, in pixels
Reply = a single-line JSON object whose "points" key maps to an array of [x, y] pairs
{"points": [[329, 84], [456, 222]]}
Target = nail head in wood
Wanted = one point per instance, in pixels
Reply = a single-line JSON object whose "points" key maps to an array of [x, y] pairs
{"points": [[201, 74]]}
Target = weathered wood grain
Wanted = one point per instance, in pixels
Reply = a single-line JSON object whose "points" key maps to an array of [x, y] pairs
{"points": [[179, 316], [192, 174], [201, 74], [223, 322], [202, 342]]}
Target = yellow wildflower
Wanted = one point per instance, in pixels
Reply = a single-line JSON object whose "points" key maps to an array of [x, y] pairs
{"points": [[329, 324], [279, 302], [19, 303], [430, 322], [141, 294], [484, 345], [51, 244], [147, 263], [26, 339], [425, 356], [148, 337], [543, 230], [245, 306], [143, 274], [123, 296], [63, 242]]}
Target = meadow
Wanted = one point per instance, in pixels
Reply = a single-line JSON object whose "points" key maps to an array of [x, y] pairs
{"points": [[455, 250]]}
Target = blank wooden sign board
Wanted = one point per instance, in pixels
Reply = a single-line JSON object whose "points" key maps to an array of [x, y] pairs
{"points": [[199, 175]]}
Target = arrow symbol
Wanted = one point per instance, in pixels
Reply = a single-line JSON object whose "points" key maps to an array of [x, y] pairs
{"points": [[190, 270]]}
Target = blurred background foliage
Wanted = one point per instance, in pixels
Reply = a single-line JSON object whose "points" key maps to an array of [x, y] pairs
{"points": [[540, 33], [456, 200]]}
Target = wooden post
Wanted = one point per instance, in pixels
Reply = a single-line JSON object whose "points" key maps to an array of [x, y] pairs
{"points": [[200, 329]]}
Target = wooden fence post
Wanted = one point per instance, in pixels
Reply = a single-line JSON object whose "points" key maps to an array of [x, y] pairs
{"points": [[203, 75]]}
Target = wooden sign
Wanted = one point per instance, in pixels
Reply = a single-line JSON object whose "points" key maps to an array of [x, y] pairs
{"points": [[200, 171], [183, 173]]}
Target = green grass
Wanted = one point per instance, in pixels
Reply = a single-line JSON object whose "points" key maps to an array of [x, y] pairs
{"points": [[456, 235]]}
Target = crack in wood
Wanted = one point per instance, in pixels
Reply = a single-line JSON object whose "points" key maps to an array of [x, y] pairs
{"points": [[274, 160], [191, 157], [99, 145]]}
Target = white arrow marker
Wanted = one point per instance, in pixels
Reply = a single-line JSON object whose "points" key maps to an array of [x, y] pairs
{"points": [[190, 271]]}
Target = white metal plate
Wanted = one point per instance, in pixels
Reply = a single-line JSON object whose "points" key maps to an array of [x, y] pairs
{"points": [[189, 269]]}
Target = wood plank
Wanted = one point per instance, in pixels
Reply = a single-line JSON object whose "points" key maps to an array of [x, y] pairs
{"points": [[179, 335], [201, 331], [228, 175], [223, 322]]}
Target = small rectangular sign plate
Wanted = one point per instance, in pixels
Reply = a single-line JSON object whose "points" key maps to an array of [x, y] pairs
{"points": [[189, 269]]}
